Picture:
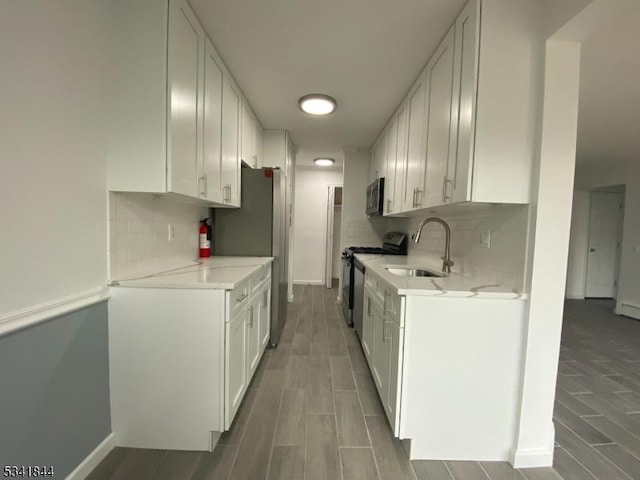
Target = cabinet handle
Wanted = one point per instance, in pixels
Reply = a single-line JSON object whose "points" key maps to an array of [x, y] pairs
{"points": [[384, 332], [445, 182], [368, 306], [389, 205], [418, 197], [251, 316], [241, 299], [413, 203], [384, 302], [265, 299], [202, 186]]}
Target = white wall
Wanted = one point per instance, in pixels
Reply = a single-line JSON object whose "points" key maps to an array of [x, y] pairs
{"points": [[578, 244], [54, 71], [139, 238], [603, 175], [310, 222]]}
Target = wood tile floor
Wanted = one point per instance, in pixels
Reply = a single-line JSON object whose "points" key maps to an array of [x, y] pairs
{"points": [[312, 411]]}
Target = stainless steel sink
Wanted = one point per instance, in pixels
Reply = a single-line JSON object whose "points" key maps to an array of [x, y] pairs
{"points": [[412, 272]]}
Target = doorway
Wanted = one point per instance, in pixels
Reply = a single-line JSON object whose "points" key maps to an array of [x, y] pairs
{"points": [[605, 241], [334, 222]]}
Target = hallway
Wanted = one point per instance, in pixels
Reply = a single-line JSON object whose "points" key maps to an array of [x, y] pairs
{"points": [[312, 411]]}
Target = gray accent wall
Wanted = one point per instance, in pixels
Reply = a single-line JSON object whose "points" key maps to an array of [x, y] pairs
{"points": [[54, 391]]}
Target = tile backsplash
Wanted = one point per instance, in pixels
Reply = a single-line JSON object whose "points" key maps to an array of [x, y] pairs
{"points": [[503, 261], [369, 232], [139, 232]]}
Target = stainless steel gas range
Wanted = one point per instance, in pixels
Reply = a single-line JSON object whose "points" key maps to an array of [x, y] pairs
{"points": [[394, 243]]}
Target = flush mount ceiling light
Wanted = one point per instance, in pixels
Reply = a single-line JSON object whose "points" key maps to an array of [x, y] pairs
{"points": [[324, 162], [317, 104]]}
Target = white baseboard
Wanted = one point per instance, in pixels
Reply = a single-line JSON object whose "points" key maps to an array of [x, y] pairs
{"points": [[88, 464], [574, 297], [531, 458], [628, 309], [308, 282]]}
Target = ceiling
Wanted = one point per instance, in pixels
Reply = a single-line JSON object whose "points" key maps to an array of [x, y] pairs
{"points": [[609, 116], [365, 53]]}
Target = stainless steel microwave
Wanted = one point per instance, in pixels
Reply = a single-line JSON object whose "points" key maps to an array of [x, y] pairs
{"points": [[375, 197]]}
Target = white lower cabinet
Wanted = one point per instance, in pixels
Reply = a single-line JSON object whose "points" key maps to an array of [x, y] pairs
{"points": [[236, 354], [265, 314], [253, 336], [382, 339], [181, 360], [430, 354]]}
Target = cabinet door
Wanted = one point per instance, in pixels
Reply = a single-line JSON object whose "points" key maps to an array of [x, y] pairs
{"points": [[246, 152], [230, 174], [258, 139], [380, 368], [265, 316], [253, 336], [399, 191], [368, 327], [395, 336], [440, 129], [185, 87], [235, 364], [416, 152], [466, 64], [211, 187], [390, 181]]}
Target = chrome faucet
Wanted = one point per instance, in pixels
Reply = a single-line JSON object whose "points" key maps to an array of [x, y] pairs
{"points": [[447, 263]]}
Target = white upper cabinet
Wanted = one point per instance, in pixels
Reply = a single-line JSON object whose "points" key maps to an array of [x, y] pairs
{"points": [[252, 138], [471, 141], [440, 127], [466, 68], [186, 92], [414, 171], [230, 170], [169, 130], [399, 192], [211, 184], [246, 154], [390, 181]]}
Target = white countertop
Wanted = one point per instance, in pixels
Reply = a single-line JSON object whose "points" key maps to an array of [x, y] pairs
{"points": [[454, 285], [213, 273]]}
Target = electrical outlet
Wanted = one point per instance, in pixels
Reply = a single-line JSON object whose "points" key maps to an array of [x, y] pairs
{"points": [[485, 238], [171, 232]]}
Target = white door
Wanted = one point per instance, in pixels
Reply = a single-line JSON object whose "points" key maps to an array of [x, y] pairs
{"points": [[604, 243]]}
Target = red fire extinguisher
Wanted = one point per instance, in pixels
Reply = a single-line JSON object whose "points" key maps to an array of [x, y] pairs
{"points": [[205, 242]]}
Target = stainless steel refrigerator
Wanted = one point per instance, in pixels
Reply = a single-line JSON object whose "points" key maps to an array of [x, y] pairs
{"points": [[258, 229]]}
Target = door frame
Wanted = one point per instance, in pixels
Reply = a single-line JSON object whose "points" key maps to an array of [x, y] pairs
{"points": [[328, 259], [620, 191]]}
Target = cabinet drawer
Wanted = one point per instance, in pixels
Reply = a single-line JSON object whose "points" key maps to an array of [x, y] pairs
{"points": [[238, 298], [259, 279], [375, 286]]}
